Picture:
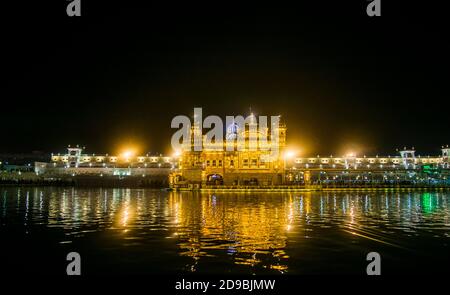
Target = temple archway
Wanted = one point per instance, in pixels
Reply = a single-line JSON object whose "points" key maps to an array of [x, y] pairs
{"points": [[214, 179]]}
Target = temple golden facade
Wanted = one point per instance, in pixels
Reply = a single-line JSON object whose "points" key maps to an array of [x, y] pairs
{"points": [[255, 160]]}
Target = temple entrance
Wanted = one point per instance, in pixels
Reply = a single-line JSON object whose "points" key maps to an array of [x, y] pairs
{"points": [[214, 179]]}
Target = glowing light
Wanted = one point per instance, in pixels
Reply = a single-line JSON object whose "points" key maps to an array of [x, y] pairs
{"points": [[176, 154], [289, 154], [127, 154]]}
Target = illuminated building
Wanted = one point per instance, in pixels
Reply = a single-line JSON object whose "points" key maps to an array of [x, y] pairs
{"points": [[352, 169], [75, 162], [244, 166], [221, 168]]}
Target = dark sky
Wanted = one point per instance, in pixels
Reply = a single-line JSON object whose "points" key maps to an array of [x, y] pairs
{"points": [[118, 74]]}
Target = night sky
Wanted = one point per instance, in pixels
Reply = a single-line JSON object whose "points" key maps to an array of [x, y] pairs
{"points": [[118, 74]]}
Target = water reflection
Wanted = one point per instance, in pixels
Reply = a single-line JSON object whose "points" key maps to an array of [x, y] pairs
{"points": [[250, 231], [246, 227]]}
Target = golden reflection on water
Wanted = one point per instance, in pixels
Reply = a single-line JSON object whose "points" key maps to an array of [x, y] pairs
{"points": [[244, 226], [248, 230]]}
